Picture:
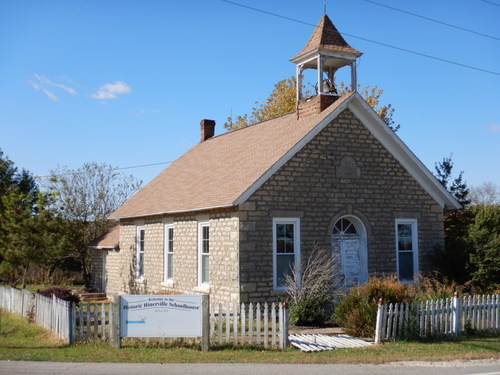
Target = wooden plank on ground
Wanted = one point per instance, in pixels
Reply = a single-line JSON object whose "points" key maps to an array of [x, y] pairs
{"points": [[318, 342]]}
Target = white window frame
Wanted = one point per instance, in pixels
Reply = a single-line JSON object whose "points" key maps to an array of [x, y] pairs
{"points": [[414, 250], [296, 249], [138, 252], [167, 252], [201, 225]]}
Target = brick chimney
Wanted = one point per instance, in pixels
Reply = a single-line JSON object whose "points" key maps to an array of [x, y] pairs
{"points": [[207, 129]]}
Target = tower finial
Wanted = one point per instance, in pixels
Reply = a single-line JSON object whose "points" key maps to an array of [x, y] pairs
{"points": [[324, 6]]}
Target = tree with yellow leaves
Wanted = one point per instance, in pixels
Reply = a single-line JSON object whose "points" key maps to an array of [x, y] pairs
{"points": [[282, 101]]}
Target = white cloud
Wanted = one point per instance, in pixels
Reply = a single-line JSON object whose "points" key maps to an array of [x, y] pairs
{"points": [[50, 94], [42, 83], [494, 128], [144, 111], [112, 90], [44, 80]]}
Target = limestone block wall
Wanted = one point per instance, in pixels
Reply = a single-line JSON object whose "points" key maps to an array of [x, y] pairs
{"points": [[223, 258], [224, 244], [120, 264], [319, 185]]}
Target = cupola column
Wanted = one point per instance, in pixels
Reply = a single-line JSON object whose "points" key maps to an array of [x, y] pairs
{"points": [[327, 52]]}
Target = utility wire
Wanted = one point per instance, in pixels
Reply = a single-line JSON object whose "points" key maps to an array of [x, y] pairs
{"points": [[432, 20], [490, 2], [143, 165], [113, 169], [368, 40]]}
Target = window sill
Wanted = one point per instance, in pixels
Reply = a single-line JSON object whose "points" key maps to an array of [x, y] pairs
{"points": [[278, 292], [167, 284], [203, 288]]}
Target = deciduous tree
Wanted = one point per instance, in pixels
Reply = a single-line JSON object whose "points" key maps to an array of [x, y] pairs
{"points": [[282, 100], [486, 193], [85, 197]]}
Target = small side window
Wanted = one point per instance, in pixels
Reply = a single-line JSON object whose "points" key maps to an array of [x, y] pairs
{"points": [[407, 249], [203, 253], [286, 249], [140, 252], [169, 253]]}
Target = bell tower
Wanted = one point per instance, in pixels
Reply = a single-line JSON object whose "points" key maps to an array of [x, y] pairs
{"points": [[326, 51]]}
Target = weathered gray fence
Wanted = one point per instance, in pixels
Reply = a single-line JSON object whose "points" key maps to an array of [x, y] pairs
{"points": [[92, 321], [450, 316], [249, 324]]}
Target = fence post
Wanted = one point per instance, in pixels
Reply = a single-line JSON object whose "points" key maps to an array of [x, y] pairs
{"points": [[53, 315], [115, 310], [284, 325], [205, 322], [378, 326], [73, 322], [457, 315]]}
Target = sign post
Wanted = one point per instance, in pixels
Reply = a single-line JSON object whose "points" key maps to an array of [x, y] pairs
{"points": [[116, 322], [205, 323]]}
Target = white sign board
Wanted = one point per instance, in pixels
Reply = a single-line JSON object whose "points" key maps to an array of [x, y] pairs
{"points": [[161, 316]]}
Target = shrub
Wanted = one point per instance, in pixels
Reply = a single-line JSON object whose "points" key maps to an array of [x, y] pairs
{"points": [[61, 293], [357, 312], [311, 291], [434, 286], [309, 312]]}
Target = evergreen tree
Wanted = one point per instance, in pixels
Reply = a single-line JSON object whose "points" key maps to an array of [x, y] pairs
{"points": [[483, 240], [31, 235], [457, 187]]}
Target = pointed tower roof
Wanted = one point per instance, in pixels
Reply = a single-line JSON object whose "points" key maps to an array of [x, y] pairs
{"points": [[326, 38]]}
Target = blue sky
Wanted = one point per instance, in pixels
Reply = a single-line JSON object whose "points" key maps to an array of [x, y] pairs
{"points": [[127, 82]]}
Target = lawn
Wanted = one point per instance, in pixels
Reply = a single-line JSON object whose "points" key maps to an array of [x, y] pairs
{"points": [[20, 340]]}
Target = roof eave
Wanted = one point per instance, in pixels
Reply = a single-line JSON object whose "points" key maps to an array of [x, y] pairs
{"points": [[103, 247], [313, 53], [402, 153], [172, 212], [298, 146], [385, 135]]}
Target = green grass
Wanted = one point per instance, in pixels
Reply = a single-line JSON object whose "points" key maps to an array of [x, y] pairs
{"points": [[20, 340]]}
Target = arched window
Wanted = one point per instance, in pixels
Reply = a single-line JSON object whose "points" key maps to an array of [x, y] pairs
{"points": [[344, 226]]}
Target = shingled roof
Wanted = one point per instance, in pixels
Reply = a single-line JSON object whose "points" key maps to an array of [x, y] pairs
{"points": [[325, 36], [224, 171], [217, 172], [108, 240]]}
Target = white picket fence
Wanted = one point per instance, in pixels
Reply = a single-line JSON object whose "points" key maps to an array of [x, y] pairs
{"points": [[55, 315], [448, 317], [69, 322], [253, 324], [249, 324], [51, 313], [20, 301]]}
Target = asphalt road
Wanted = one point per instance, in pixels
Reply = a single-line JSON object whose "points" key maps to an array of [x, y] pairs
{"points": [[483, 367]]}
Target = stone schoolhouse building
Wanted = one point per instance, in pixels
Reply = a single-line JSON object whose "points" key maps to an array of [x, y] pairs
{"points": [[236, 211]]}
